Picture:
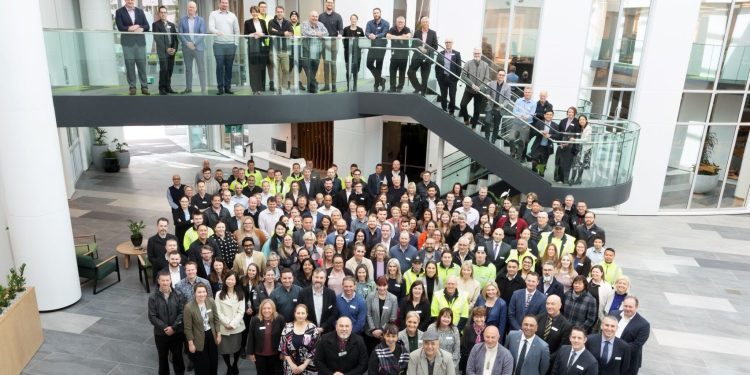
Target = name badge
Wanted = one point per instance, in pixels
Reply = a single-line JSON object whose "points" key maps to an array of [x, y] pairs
{"points": [[255, 296], [449, 338], [208, 311], [417, 311], [353, 307], [397, 285], [618, 358], [262, 328], [554, 329], [341, 354], [579, 367], [294, 300], [409, 259], [385, 307], [330, 306]]}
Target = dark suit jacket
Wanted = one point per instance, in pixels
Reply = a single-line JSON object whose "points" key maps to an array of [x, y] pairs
{"points": [[565, 128], [352, 360], [455, 67], [619, 361], [341, 201], [123, 21], [373, 187], [635, 334], [431, 41], [314, 188], [202, 270], [584, 364], [330, 311], [555, 288], [516, 310], [558, 335], [164, 41], [249, 29]]}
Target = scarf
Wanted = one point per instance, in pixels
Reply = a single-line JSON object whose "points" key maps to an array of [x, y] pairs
{"points": [[478, 330], [388, 363]]}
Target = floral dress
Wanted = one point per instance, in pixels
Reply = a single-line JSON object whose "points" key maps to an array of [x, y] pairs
{"points": [[299, 347]]}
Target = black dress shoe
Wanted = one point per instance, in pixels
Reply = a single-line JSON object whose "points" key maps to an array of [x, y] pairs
{"points": [[220, 92], [162, 92], [333, 88], [144, 91], [171, 91], [229, 92]]}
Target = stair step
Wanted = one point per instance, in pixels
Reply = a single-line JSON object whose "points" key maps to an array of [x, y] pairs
{"points": [[493, 179], [482, 182], [471, 189]]}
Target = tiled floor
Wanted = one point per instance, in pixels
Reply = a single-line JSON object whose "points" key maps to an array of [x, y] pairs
{"points": [[688, 272]]}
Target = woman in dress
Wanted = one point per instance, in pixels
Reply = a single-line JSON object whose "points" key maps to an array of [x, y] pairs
{"points": [[390, 357], [450, 340], [230, 305], [395, 279], [263, 329], [297, 346], [352, 52], [202, 331], [249, 282], [415, 301], [228, 247]]}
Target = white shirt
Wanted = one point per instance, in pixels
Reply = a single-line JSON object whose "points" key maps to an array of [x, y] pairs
{"points": [[327, 211], [318, 303], [624, 320], [472, 216], [237, 199], [489, 360], [174, 274], [267, 220], [131, 13], [520, 346]]}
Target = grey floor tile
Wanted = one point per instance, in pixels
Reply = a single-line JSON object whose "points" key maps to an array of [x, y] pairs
{"points": [[136, 331], [63, 342], [128, 369], [69, 364], [128, 353]]}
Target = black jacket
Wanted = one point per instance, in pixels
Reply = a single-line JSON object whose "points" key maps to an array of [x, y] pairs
{"points": [[330, 311], [156, 250], [164, 41], [455, 68], [166, 313], [558, 335], [257, 330], [554, 288], [619, 361], [584, 364], [351, 361]]}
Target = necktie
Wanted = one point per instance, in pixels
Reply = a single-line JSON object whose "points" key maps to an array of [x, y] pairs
{"points": [[547, 328], [521, 357], [528, 300], [497, 250], [572, 358], [605, 353]]}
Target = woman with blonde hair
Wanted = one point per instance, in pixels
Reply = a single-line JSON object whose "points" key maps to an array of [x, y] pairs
{"points": [[395, 279], [467, 286], [265, 328], [249, 229], [564, 272], [621, 290]]}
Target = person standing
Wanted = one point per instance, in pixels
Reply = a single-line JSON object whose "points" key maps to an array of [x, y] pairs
{"points": [[634, 329], [257, 49], [230, 303], [191, 28], [426, 41], [529, 352], [264, 332], [375, 30], [499, 94], [282, 29], [390, 357], [341, 351], [399, 36], [165, 312], [612, 353], [574, 358], [352, 52], [476, 72], [430, 359], [299, 343], [202, 331], [566, 152], [313, 48], [519, 134], [447, 71], [166, 49], [225, 26], [335, 26], [489, 357], [132, 22]]}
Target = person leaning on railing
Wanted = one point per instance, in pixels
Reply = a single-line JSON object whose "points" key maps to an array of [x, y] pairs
{"points": [[498, 93], [191, 27], [312, 48], [225, 26], [282, 29], [133, 23]]}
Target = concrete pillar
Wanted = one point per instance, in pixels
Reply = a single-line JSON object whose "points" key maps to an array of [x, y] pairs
{"points": [[37, 214], [99, 48]]}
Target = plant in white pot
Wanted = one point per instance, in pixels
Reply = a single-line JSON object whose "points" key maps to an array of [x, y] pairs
{"points": [[123, 155], [708, 171], [98, 147]]}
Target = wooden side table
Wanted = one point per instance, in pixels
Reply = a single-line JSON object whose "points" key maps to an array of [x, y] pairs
{"points": [[127, 249]]}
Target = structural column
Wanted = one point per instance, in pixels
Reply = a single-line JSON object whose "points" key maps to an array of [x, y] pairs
{"points": [[99, 47], [36, 213]]}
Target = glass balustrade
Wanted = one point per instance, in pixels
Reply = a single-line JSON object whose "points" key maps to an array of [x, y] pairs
{"points": [[93, 63]]}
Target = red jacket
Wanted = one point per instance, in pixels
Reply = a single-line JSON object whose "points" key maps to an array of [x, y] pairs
{"points": [[520, 225]]}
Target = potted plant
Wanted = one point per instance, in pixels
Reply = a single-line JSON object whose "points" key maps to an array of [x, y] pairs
{"points": [[136, 232], [98, 147], [111, 164], [123, 155], [708, 171], [19, 318]]}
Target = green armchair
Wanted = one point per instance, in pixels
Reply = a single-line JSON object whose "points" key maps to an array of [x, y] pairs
{"points": [[86, 245], [145, 272], [88, 269]]}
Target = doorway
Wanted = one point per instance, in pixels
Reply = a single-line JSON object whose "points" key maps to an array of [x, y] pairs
{"points": [[314, 143], [406, 142]]}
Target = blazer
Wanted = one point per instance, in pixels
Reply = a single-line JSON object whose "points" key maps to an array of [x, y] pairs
{"points": [[584, 364], [352, 360], [636, 334], [123, 21], [404, 337], [314, 188], [373, 187], [503, 361], [443, 363], [199, 27], [564, 127], [164, 41], [555, 288], [201, 271], [377, 319], [606, 294], [516, 310], [431, 41], [194, 322], [491, 90], [257, 330], [330, 310], [536, 361], [619, 361], [559, 334], [240, 265], [455, 67], [249, 29]]}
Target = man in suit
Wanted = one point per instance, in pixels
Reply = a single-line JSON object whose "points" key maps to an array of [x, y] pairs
{"points": [[549, 284], [612, 353], [542, 147], [341, 351], [526, 301], [503, 363], [565, 153], [166, 48], [320, 302], [498, 251], [130, 19], [206, 262], [308, 185], [375, 180], [498, 94], [447, 71], [191, 26], [574, 358], [529, 351], [426, 41], [553, 327], [248, 256], [157, 245], [634, 330]]}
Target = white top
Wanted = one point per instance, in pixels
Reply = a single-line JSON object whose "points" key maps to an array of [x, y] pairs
{"points": [[267, 220], [624, 320], [489, 360], [225, 23]]}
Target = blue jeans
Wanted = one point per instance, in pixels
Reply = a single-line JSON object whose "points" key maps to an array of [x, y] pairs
{"points": [[224, 54]]}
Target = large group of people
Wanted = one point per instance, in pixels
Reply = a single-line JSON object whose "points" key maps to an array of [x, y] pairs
{"points": [[346, 274]]}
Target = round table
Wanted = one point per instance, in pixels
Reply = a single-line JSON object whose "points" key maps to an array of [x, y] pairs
{"points": [[127, 249]]}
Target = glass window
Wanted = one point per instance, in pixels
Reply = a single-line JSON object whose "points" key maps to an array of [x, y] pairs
{"points": [[630, 46], [737, 54], [680, 167], [496, 23], [726, 108], [523, 39], [694, 107], [602, 31], [715, 153], [746, 111], [736, 184], [423, 9], [706, 51], [619, 103]]}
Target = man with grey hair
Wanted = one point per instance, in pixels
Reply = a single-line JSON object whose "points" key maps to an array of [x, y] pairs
{"points": [[313, 48], [430, 359], [426, 41], [399, 36], [634, 329], [191, 27], [447, 71], [519, 133], [477, 72], [341, 352], [403, 252]]}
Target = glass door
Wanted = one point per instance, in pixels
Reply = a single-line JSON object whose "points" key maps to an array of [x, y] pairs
{"points": [[199, 138]]}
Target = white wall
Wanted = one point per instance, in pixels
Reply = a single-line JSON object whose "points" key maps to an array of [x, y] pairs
{"points": [[261, 135], [461, 21], [657, 101], [6, 255], [358, 141]]}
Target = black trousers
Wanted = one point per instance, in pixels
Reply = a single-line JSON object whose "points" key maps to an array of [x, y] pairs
{"points": [[267, 365], [310, 66], [447, 89], [478, 105], [166, 67], [398, 65], [170, 344], [206, 362], [423, 65], [375, 63]]}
